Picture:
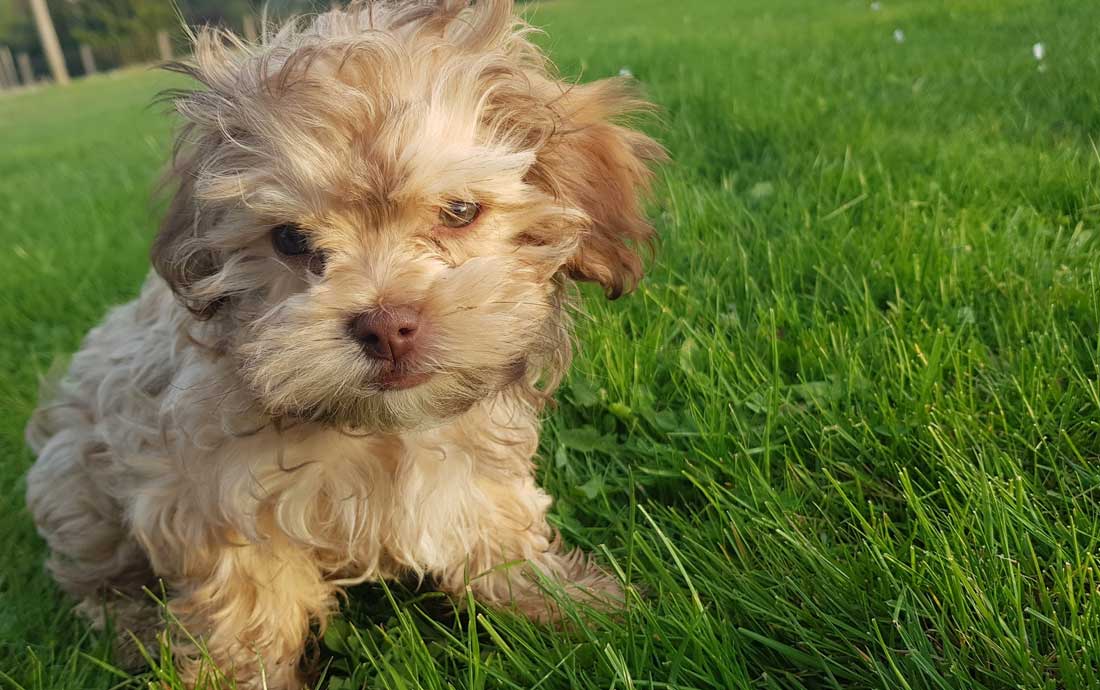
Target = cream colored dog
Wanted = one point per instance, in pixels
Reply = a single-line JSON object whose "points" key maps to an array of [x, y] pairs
{"points": [[358, 309]]}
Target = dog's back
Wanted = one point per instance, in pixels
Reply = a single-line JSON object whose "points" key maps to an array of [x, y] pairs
{"points": [[82, 418]]}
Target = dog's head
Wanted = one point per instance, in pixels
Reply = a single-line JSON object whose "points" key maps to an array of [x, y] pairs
{"points": [[382, 207]]}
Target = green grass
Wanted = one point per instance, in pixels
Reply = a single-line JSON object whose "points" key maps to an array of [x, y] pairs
{"points": [[847, 434]]}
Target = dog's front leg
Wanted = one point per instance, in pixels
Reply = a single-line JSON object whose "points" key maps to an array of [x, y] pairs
{"points": [[251, 607], [517, 556]]}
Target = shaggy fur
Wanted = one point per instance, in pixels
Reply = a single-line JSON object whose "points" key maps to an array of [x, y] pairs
{"points": [[224, 431]]}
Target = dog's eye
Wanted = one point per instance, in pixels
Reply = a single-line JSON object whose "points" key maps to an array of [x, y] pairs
{"points": [[289, 240], [458, 214]]}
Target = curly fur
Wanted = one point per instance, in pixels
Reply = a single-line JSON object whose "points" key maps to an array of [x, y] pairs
{"points": [[223, 431]]}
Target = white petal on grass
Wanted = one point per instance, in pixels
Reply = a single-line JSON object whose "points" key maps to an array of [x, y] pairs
{"points": [[899, 36], [762, 190], [876, 6], [625, 72], [1039, 51]]}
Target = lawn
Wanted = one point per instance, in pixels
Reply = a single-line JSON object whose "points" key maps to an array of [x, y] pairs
{"points": [[847, 434]]}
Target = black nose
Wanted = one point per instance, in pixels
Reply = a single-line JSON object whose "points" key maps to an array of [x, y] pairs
{"points": [[386, 333]]}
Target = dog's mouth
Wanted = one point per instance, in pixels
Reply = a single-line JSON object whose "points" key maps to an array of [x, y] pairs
{"points": [[400, 376], [398, 380], [375, 411]]}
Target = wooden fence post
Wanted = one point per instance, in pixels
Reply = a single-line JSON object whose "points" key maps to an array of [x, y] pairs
{"points": [[50, 45], [249, 28], [87, 58], [26, 72], [5, 76], [7, 65], [164, 45]]}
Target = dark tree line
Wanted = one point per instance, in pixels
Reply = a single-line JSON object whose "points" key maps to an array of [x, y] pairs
{"points": [[124, 31]]}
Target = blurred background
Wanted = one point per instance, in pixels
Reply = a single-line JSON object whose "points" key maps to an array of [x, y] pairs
{"points": [[107, 34]]}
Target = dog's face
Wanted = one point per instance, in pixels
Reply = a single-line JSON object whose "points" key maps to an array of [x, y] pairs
{"points": [[383, 209]]}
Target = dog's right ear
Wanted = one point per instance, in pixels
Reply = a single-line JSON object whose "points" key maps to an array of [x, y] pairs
{"points": [[179, 254]]}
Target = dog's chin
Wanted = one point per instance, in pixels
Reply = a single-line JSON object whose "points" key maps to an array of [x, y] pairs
{"points": [[407, 403]]}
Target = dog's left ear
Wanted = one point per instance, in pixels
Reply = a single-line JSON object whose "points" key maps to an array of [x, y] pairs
{"points": [[602, 168]]}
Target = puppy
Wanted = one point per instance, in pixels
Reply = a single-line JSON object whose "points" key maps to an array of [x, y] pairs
{"points": [[358, 308]]}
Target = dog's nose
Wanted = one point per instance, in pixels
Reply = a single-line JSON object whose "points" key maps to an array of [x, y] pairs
{"points": [[386, 333]]}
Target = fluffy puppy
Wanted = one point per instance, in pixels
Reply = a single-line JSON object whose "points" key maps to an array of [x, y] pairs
{"points": [[358, 308]]}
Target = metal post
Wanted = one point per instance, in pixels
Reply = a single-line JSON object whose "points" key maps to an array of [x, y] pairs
{"points": [[87, 58], [50, 45], [26, 72], [164, 45]]}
